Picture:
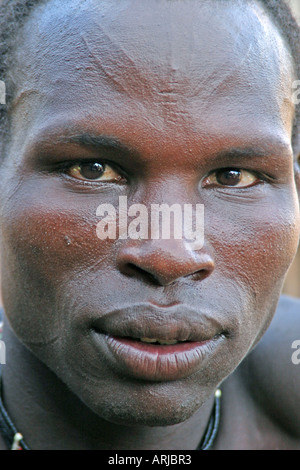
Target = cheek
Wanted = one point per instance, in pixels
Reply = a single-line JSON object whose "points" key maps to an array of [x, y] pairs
{"points": [[54, 241], [255, 245], [48, 250]]}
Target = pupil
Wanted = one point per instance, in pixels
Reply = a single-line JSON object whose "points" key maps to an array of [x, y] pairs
{"points": [[92, 171], [228, 177]]}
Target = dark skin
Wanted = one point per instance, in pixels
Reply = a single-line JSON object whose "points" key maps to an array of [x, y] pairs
{"points": [[169, 108]]}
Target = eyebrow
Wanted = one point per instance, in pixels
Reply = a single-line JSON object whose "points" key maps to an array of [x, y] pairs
{"points": [[262, 148], [100, 141], [96, 141], [254, 152]]}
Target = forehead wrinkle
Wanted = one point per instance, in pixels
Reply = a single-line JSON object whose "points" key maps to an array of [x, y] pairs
{"points": [[116, 65], [228, 80], [128, 77], [258, 49], [113, 72], [170, 100], [116, 58], [117, 50]]}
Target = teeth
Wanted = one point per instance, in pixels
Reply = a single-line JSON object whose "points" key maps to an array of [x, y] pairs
{"points": [[160, 341], [148, 340], [168, 341]]}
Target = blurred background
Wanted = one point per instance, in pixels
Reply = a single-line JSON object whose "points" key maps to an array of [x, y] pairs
{"points": [[292, 284]]}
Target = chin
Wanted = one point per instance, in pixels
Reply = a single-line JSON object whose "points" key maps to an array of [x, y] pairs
{"points": [[148, 405], [151, 417], [127, 401]]}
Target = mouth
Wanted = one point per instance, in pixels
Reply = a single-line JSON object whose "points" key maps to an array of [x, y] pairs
{"points": [[159, 341], [171, 349]]}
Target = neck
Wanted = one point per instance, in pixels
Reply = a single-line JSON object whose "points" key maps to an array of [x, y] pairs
{"points": [[50, 416]]}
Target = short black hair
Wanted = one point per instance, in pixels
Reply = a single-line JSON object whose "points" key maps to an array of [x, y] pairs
{"points": [[13, 14]]}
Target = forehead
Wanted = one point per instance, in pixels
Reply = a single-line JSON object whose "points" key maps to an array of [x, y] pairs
{"points": [[180, 63]]}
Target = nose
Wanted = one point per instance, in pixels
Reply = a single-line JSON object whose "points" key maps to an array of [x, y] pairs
{"points": [[163, 262]]}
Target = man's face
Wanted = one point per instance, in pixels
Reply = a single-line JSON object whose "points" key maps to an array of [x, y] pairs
{"points": [[185, 103]]}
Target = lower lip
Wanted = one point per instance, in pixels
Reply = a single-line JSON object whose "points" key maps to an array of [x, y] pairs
{"points": [[155, 362]]}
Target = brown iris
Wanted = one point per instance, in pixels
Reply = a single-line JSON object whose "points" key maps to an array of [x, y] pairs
{"points": [[228, 177], [94, 171]]}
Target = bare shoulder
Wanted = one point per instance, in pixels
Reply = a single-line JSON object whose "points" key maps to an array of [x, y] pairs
{"points": [[272, 369]]}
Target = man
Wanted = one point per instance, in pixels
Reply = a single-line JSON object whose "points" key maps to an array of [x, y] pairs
{"points": [[121, 342]]}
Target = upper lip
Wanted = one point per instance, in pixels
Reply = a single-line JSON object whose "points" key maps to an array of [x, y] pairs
{"points": [[180, 323]]}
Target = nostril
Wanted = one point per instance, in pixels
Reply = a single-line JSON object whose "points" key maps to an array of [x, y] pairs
{"points": [[132, 270], [200, 275], [163, 263]]}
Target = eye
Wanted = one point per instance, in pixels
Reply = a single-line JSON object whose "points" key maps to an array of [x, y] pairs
{"points": [[231, 177], [94, 171]]}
